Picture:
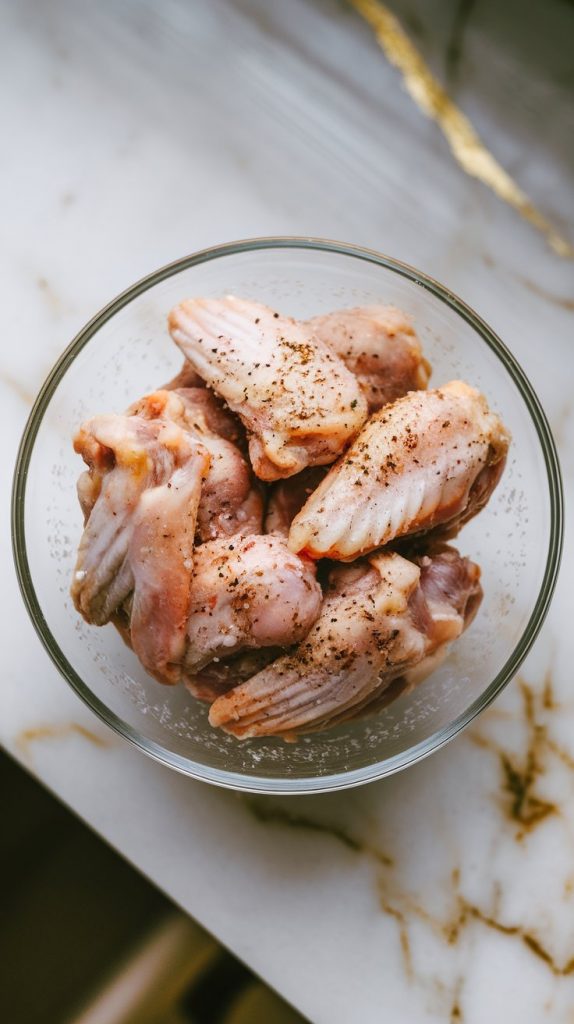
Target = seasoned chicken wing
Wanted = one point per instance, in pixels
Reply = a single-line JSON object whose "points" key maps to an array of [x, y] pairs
{"points": [[248, 592], [431, 459], [161, 559], [126, 455], [231, 499], [239, 590], [380, 346], [299, 402], [380, 619]]}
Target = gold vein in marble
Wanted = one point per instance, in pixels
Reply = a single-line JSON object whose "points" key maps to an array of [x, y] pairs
{"points": [[52, 298], [529, 940], [403, 929], [549, 701], [520, 776], [27, 737], [451, 928], [523, 807], [17, 387], [465, 144], [562, 301], [456, 1010]]}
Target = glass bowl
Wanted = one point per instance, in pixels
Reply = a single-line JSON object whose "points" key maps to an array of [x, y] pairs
{"points": [[124, 352]]}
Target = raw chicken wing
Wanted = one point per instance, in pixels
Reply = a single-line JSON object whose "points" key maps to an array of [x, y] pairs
{"points": [[299, 402], [161, 558], [381, 618], [231, 500], [126, 455], [431, 459], [379, 345], [220, 676], [248, 592]]}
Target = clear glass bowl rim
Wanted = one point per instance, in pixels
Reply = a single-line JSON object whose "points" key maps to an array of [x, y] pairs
{"points": [[335, 781]]}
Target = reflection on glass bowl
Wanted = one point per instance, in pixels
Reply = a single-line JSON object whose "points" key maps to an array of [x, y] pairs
{"points": [[124, 352]]}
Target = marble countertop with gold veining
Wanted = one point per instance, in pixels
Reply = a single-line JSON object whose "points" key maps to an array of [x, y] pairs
{"points": [[135, 132]]}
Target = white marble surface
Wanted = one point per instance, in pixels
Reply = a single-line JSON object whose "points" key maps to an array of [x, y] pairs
{"points": [[136, 132]]}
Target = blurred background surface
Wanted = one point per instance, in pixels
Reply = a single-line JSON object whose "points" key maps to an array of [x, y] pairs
{"points": [[86, 939]]}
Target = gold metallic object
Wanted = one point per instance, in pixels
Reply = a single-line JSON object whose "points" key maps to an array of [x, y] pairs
{"points": [[466, 146]]}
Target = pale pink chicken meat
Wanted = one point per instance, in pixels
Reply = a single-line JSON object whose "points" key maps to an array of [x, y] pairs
{"points": [[379, 345], [231, 499], [126, 455], [299, 402], [212, 593], [184, 378], [161, 558], [218, 677], [287, 497], [248, 592], [381, 619], [430, 460]]}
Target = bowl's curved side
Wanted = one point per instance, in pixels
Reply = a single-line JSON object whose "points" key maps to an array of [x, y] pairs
{"points": [[242, 780]]}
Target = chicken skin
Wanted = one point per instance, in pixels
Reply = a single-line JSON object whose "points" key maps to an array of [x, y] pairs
{"points": [[126, 455], [287, 497], [432, 459], [248, 592], [299, 402], [380, 618], [231, 499], [268, 528], [161, 558], [220, 676], [380, 346]]}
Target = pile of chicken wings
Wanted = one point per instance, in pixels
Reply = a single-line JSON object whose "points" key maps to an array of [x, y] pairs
{"points": [[270, 527]]}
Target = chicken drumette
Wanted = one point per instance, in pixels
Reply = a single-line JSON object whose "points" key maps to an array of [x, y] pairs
{"points": [[248, 592]]}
